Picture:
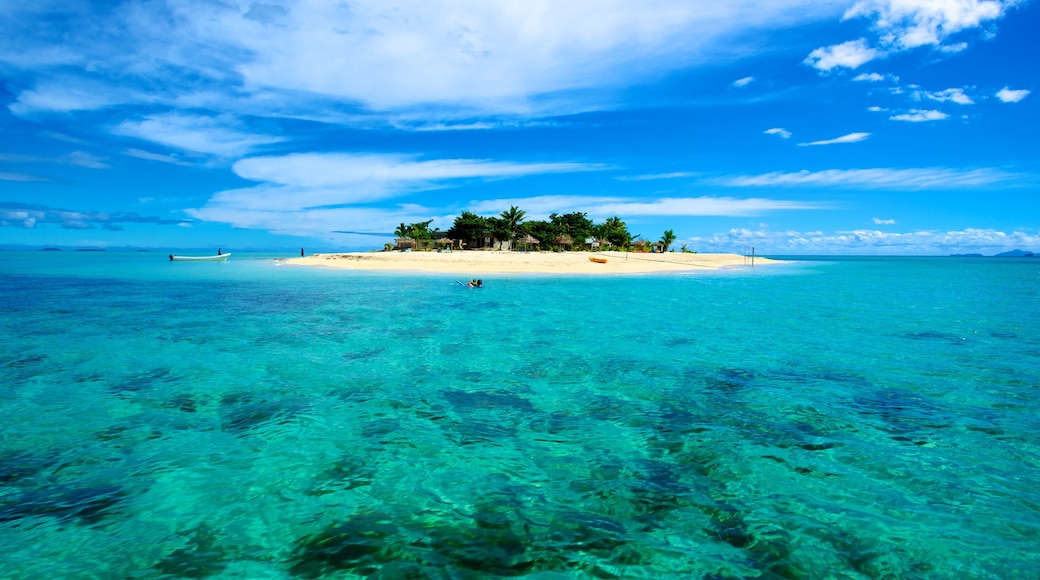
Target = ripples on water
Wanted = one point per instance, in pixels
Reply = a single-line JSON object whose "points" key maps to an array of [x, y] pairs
{"points": [[823, 420]]}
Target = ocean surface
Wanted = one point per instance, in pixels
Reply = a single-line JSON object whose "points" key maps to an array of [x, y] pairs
{"points": [[838, 418]]}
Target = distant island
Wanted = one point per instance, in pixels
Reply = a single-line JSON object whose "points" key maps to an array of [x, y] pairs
{"points": [[1011, 254]]}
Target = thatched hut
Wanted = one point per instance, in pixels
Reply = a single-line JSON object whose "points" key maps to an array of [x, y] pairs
{"points": [[406, 244], [528, 241], [564, 241]]}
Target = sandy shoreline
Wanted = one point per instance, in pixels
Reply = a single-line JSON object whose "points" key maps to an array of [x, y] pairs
{"points": [[476, 264]]}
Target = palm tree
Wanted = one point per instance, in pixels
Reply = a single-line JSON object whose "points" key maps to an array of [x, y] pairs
{"points": [[512, 219], [402, 231], [667, 239]]}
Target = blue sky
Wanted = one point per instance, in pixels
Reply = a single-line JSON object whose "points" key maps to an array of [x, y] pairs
{"points": [[797, 126]]}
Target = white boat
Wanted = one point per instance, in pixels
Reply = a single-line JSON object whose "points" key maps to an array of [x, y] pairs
{"points": [[217, 258]]}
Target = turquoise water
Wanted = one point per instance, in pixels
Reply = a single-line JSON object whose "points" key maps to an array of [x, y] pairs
{"points": [[847, 418]]}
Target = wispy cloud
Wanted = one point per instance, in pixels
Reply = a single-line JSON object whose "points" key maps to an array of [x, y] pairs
{"points": [[316, 193], [850, 138], [655, 176], [222, 135], [741, 83], [82, 159], [603, 207], [464, 59], [920, 116], [1007, 95], [884, 222], [880, 178], [24, 215], [782, 133], [21, 177], [77, 158], [149, 156], [869, 242]]}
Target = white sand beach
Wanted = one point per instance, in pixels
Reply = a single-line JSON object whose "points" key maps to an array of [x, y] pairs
{"points": [[478, 263]]}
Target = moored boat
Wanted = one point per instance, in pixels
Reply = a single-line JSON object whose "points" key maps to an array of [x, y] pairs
{"points": [[597, 260], [217, 258]]}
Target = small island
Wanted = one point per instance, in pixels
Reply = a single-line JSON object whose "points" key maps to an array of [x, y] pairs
{"points": [[563, 244]]}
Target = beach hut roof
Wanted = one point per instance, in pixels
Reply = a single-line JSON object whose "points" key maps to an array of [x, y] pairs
{"points": [[444, 241], [564, 239], [529, 239]]}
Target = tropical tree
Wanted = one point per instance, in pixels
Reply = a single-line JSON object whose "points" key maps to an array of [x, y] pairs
{"points": [[420, 231], [614, 231], [513, 217], [543, 231], [469, 227], [402, 231], [667, 239]]}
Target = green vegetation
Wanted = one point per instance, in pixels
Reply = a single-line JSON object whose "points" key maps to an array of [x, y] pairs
{"points": [[559, 232], [667, 239]]}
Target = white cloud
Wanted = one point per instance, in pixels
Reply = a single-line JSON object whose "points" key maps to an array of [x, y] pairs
{"points": [[147, 155], [905, 24], [920, 116], [655, 176], [82, 159], [213, 135], [783, 133], [880, 178], [1012, 96], [65, 95], [21, 177], [741, 83], [954, 95], [603, 207], [869, 77], [445, 57], [849, 54], [850, 138], [77, 158], [884, 222], [318, 222], [868, 242], [310, 183]]}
